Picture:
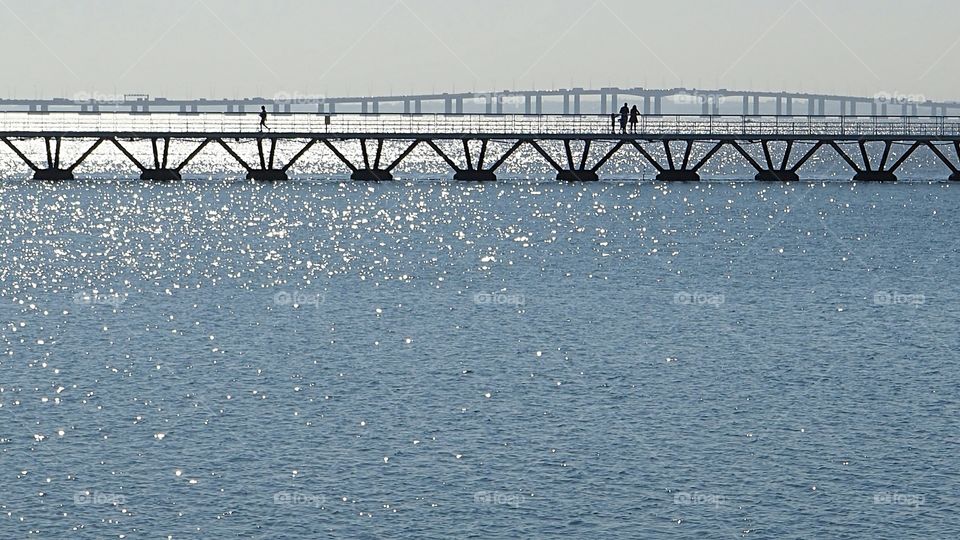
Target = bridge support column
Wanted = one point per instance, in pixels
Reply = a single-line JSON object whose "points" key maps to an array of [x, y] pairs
{"points": [[576, 170], [686, 172], [539, 104], [811, 107], [418, 106], [646, 105], [756, 105], [658, 105], [789, 106], [266, 172], [527, 105], [576, 103], [746, 105], [371, 171], [954, 168], [53, 171], [476, 170], [866, 172], [447, 106], [161, 170], [566, 104], [775, 172]]}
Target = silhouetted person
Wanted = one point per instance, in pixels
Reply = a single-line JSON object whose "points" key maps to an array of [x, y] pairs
{"points": [[634, 119], [263, 119], [613, 122], [624, 116]]}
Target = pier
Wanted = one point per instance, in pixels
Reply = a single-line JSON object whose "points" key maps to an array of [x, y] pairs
{"points": [[475, 147]]}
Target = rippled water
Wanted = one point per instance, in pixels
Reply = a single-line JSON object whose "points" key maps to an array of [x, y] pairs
{"points": [[514, 360]]}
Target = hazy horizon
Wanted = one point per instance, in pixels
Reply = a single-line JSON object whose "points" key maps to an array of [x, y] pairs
{"points": [[220, 49]]}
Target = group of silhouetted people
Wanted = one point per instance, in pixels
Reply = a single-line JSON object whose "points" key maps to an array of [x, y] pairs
{"points": [[627, 115]]}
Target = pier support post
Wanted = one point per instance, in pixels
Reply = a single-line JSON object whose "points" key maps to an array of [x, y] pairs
{"points": [[772, 172], [371, 171], [53, 171], [867, 173], [954, 168], [267, 171], [672, 173], [576, 170], [476, 170]]}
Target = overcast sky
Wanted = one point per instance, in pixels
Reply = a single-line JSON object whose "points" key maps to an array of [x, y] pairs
{"points": [[232, 48]]}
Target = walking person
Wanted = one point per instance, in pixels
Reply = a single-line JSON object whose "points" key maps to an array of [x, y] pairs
{"points": [[634, 119], [613, 123], [624, 116], [263, 119]]}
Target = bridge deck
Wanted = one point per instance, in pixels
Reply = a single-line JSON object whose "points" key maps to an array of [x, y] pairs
{"points": [[441, 126], [803, 136]]}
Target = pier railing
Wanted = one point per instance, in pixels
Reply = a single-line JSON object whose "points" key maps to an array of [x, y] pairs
{"points": [[512, 124]]}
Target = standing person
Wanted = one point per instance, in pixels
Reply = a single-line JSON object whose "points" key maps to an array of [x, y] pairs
{"points": [[613, 123], [634, 119], [624, 115], [263, 119]]}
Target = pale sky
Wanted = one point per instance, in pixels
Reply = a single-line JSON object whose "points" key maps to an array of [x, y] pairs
{"points": [[237, 48]]}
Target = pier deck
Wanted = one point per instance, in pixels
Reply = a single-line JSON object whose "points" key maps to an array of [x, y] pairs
{"points": [[667, 143]]}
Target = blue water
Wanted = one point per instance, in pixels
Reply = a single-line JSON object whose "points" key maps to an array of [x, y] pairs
{"points": [[427, 359]]}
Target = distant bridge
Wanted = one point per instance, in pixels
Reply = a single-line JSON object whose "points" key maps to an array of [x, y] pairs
{"points": [[565, 101]]}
